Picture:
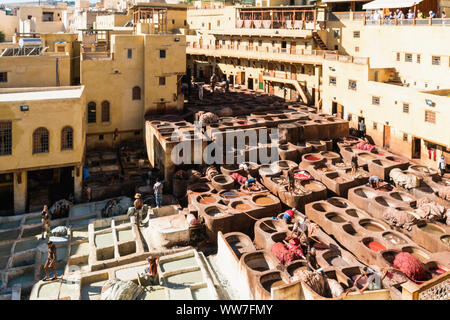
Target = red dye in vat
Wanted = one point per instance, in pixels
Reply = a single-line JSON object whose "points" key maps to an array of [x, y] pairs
{"points": [[376, 246], [384, 189], [312, 158]]}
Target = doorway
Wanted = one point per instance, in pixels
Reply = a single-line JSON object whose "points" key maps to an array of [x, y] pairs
{"points": [[416, 148], [387, 136], [250, 83], [6, 194], [270, 88]]}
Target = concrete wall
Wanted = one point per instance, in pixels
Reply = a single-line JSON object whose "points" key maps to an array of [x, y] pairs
{"points": [[9, 25]]}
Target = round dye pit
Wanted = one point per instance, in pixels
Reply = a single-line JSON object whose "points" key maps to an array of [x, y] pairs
{"points": [[338, 203], [274, 283], [371, 226], [431, 228], [312, 158], [263, 201], [229, 194], [446, 240], [374, 245], [242, 206], [206, 200], [214, 212], [312, 185], [416, 252], [393, 238], [335, 217]]}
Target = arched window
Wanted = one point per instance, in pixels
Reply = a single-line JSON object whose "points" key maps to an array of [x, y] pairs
{"points": [[92, 112], [136, 93], [105, 111], [40, 140], [67, 138]]}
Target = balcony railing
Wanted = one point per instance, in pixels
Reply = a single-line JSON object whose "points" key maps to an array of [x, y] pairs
{"points": [[367, 20], [283, 53]]}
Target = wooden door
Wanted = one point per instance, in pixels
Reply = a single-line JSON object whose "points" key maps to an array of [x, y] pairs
{"points": [[270, 87], [238, 78], [340, 111], [387, 136]]}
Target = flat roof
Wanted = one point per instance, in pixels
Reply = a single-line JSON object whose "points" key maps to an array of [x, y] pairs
{"points": [[40, 94]]}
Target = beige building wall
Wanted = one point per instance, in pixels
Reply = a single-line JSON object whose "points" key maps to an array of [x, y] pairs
{"points": [[9, 25], [36, 71]]}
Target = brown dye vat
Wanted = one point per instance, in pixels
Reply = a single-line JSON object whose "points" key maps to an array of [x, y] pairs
{"points": [[297, 265], [446, 240], [371, 226], [338, 203], [350, 230], [393, 238], [242, 207], [401, 196], [214, 212], [389, 256], [312, 185], [431, 229], [340, 179], [269, 284], [367, 156], [263, 201], [335, 217], [336, 261], [207, 200], [322, 207], [268, 226], [354, 213]]}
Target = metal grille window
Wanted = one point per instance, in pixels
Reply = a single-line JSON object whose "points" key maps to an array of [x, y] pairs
{"points": [[436, 61], [130, 53], [418, 58], [398, 56], [406, 107], [408, 57], [105, 111], [67, 138], [162, 81], [375, 100], [162, 53], [92, 112], [136, 93], [352, 85], [405, 137], [374, 126], [3, 76], [430, 116], [332, 81], [5, 138], [356, 34], [40, 140]]}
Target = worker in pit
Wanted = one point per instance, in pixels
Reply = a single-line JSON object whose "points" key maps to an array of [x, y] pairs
{"points": [[45, 219], [151, 272], [138, 204], [311, 259], [51, 262], [250, 184], [291, 179], [374, 182]]}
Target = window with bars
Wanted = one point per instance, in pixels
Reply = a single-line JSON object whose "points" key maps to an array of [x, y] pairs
{"points": [[92, 112], [352, 85], [405, 137], [162, 54], [136, 93], [130, 53], [67, 138], [375, 100], [408, 57], [356, 34], [374, 126], [418, 58], [5, 138], [40, 140], [430, 116], [406, 107], [436, 61], [105, 111], [3, 76], [398, 56], [162, 81]]}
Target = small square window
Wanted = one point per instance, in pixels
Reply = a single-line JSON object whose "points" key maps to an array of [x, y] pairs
{"points": [[418, 58], [398, 56], [374, 126], [332, 81], [336, 33], [356, 34], [405, 137], [101, 137], [376, 100], [259, 42], [162, 53], [185, 23], [130, 53], [430, 116], [406, 107], [173, 21], [336, 47], [436, 61], [408, 57], [352, 85], [162, 81]]}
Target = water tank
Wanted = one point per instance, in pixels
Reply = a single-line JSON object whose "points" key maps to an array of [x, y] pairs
{"points": [[30, 42]]}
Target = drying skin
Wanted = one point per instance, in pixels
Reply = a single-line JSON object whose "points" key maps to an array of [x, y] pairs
{"points": [[401, 219]]}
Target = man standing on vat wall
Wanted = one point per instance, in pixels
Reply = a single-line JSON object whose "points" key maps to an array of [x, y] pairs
{"points": [[51, 262]]}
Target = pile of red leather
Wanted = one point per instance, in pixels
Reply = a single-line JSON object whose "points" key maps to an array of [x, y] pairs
{"points": [[364, 146], [238, 178], [289, 252], [410, 266]]}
